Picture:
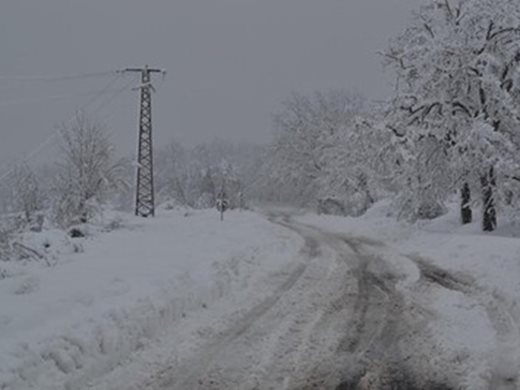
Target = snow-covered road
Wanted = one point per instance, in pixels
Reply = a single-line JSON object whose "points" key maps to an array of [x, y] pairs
{"points": [[353, 315], [346, 316], [296, 303]]}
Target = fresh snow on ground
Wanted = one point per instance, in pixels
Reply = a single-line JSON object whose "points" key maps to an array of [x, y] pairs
{"points": [[63, 325], [138, 298]]}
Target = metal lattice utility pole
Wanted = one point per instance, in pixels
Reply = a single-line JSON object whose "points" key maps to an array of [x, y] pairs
{"points": [[144, 199]]}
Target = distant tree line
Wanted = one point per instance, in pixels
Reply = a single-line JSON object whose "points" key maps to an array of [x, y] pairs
{"points": [[87, 175]]}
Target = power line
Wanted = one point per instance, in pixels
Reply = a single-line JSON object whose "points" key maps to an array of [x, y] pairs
{"points": [[46, 142], [111, 98], [102, 92], [4, 103], [97, 95], [58, 78]]}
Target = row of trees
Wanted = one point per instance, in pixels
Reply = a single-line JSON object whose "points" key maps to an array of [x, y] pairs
{"points": [[453, 124], [193, 177], [88, 174]]}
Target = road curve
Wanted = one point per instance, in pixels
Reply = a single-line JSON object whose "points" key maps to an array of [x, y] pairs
{"points": [[339, 319], [336, 317]]}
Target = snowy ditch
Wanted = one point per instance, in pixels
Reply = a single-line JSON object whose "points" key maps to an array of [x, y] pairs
{"points": [[135, 283]]}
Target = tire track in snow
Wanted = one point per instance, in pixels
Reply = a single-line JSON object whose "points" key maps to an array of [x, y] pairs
{"points": [[370, 313], [380, 322], [337, 320], [285, 324], [191, 373], [375, 323], [505, 371]]}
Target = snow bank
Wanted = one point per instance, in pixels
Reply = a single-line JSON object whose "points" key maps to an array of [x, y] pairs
{"points": [[84, 315]]}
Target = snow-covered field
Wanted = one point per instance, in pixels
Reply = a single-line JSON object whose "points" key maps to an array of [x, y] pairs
{"points": [[63, 325], [155, 304]]}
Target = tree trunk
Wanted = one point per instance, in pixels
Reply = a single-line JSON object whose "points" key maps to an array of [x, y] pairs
{"points": [[489, 215], [466, 214], [82, 209]]}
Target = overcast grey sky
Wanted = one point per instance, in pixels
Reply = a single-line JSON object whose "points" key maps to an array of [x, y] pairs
{"points": [[229, 62]]}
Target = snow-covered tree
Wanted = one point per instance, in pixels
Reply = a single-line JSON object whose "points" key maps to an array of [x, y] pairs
{"points": [[193, 176], [28, 196], [354, 163], [87, 171], [457, 73], [321, 153], [171, 178], [227, 178]]}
